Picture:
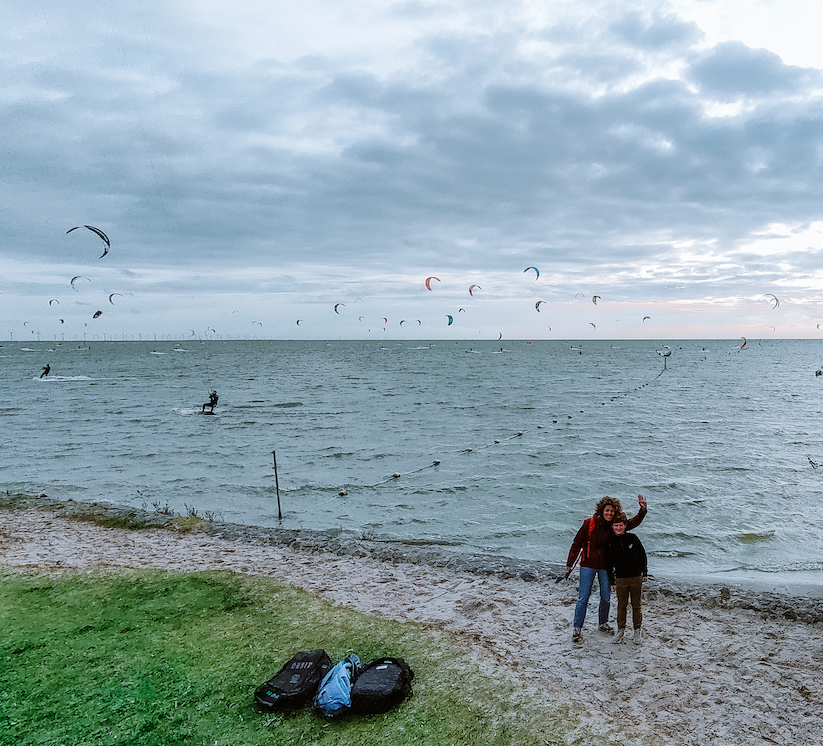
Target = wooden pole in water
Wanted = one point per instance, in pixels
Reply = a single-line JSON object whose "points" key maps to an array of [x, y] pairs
{"points": [[277, 487]]}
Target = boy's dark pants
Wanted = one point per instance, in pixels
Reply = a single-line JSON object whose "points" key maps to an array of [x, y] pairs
{"points": [[629, 588]]}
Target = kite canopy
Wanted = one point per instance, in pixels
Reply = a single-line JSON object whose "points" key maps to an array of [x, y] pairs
{"points": [[536, 272], [428, 281], [537, 305], [100, 233], [74, 279], [472, 287], [594, 299], [450, 318]]}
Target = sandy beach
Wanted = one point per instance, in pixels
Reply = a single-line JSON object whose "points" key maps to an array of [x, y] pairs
{"points": [[717, 666]]}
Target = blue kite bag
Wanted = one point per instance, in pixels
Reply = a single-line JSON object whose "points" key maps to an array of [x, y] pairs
{"points": [[333, 698]]}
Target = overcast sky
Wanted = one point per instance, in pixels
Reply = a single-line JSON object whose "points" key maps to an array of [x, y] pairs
{"points": [[257, 163]]}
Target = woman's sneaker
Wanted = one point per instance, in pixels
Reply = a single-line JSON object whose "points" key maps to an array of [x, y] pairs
{"points": [[606, 628], [577, 636]]}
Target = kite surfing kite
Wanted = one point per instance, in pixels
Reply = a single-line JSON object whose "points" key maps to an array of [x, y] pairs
{"points": [[592, 323], [775, 301], [112, 296], [536, 272], [743, 346], [336, 306], [646, 317], [537, 305], [54, 300], [594, 299], [428, 281], [580, 294], [98, 232], [472, 287], [97, 314], [450, 318], [74, 279]]}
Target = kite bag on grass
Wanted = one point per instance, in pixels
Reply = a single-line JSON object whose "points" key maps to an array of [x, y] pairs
{"points": [[383, 683], [333, 698], [294, 684]]}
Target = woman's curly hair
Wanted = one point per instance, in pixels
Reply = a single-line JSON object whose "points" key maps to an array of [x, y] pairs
{"points": [[604, 501]]}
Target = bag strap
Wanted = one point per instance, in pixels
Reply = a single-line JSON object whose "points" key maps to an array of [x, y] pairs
{"points": [[589, 539]]}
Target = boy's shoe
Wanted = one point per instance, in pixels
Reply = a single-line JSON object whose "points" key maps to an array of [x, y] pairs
{"points": [[577, 636], [606, 628], [638, 636], [619, 636]]}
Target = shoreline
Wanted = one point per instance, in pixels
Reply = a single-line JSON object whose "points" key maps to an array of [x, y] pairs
{"points": [[802, 601], [724, 668]]}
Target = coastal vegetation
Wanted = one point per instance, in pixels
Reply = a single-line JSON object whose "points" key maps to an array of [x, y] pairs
{"points": [[156, 658]]}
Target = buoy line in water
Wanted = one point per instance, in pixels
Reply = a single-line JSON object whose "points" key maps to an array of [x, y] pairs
{"points": [[636, 388], [436, 462]]}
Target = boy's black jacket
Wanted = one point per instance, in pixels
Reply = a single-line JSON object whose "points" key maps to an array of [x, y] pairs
{"points": [[625, 557]]}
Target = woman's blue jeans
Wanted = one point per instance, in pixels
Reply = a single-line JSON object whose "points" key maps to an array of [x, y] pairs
{"points": [[587, 576]]}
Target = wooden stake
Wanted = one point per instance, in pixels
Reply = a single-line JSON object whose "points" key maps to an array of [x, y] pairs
{"points": [[277, 487]]}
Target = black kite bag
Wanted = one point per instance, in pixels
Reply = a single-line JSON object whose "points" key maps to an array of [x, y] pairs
{"points": [[382, 683], [295, 684]]}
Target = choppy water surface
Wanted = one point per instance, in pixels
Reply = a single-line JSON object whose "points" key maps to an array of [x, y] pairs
{"points": [[719, 443]]}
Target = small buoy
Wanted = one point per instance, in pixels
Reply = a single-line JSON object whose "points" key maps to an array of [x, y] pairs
{"points": [[496, 441], [395, 475], [519, 433], [342, 493], [468, 450], [436, 461]]}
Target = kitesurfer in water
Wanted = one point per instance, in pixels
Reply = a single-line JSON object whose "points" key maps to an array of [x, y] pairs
{"points": [[211, 403], [590, 545], [46, 371]]}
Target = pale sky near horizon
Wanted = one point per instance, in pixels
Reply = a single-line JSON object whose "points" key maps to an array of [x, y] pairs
{"points": [[254, 164]]}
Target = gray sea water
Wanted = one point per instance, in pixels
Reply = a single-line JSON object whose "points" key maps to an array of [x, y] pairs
{"points": [[723, 443]]}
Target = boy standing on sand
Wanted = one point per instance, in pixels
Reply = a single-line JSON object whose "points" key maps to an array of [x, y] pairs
{"points": [[628, 570]]}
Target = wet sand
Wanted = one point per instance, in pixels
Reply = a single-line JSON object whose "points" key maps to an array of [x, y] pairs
{"points": [[718, 665]]}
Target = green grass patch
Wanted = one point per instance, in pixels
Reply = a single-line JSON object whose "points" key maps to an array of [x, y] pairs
{"points": [[152, 658], [111, 521]]}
